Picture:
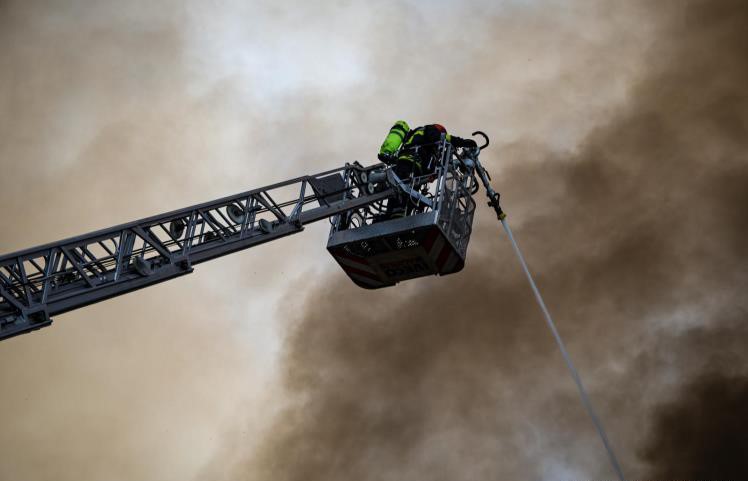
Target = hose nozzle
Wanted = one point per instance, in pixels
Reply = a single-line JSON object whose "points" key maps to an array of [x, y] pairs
{"points": [[494, 202]]}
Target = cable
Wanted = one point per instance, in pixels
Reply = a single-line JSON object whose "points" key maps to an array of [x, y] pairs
{"points": [[567, 358]]}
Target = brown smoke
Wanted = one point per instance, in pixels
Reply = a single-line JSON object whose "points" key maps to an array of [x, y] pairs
{"points": [[113, 111], [638, 241], [109, 112], [98, 126]]}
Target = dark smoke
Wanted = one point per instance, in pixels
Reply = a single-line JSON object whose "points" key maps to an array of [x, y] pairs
{"points": [[699, 432], [703, 435], [638, 239]]}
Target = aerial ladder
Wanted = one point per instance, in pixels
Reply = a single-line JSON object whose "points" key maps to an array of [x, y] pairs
{"points": [[372, 248]]}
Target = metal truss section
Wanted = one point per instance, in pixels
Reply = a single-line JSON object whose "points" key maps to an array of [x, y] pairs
{"points": [[40, 282]]}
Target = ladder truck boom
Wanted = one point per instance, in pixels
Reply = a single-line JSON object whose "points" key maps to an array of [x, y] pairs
{"points": [[51, 279]]}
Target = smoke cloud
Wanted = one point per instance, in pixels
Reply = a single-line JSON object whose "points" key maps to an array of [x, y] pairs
{"points": [[637, 236], [618, 143]]}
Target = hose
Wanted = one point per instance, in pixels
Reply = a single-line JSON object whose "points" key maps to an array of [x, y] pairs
{"points": [[574, 374]]}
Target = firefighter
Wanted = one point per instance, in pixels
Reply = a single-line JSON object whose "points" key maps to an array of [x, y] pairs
{"points": [[411, 151]]}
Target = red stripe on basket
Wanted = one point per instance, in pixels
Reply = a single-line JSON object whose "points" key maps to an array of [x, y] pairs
{"points": [[430, 239], [359, 272], [443, 256]]}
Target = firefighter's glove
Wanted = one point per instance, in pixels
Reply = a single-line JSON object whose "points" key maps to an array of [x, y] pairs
{"points": [[464, 143]]}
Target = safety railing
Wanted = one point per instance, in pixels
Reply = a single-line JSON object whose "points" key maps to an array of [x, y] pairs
{"points": [[445, 189]]}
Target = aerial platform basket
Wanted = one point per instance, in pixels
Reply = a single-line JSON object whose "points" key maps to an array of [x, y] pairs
{"points": [[432, 239]]}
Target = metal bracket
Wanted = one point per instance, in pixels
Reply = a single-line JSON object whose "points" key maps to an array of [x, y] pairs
{"points": [[396, 182]]}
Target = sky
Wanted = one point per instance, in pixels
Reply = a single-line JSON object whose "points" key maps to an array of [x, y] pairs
{"points": [[618, 143]]}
